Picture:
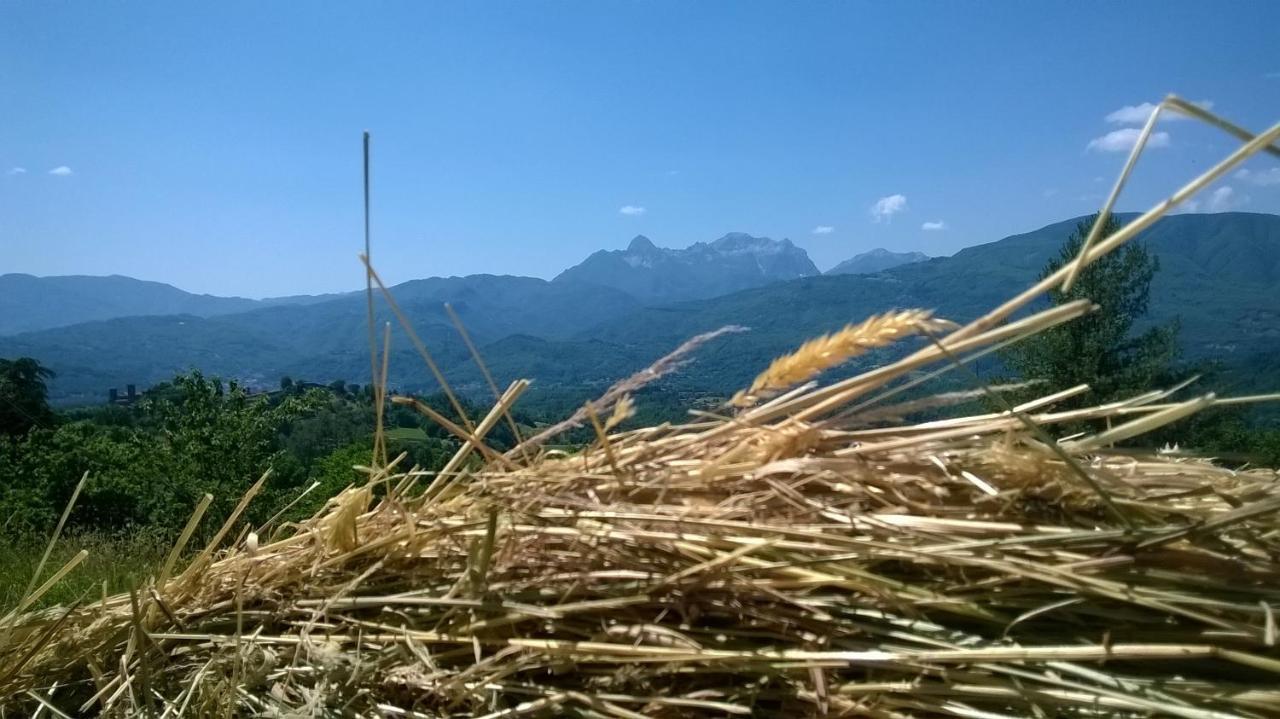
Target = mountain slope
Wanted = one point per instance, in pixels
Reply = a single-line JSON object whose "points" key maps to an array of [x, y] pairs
{"points": [[320, 341], [1219, 273], [29, 303], [877, 260], [1220, 277], [657, 275]]}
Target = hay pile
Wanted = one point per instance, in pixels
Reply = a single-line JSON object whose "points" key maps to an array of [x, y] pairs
{"points": [[807, 554], [764, 564]]}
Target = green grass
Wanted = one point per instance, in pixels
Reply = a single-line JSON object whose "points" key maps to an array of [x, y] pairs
{"points": [[120, 562], [407, 434]]}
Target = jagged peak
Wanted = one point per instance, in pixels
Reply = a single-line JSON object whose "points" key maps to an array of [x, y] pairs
{"points": [[740, 239], [741, 242]]}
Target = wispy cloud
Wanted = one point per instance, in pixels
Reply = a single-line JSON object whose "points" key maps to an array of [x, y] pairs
{"points": [[17, 171], [61, 171], [1225, 199], [1138, 114], [1272, 75], [631, 210], [886, 207], [1122, 140], [1132, 114], [823, 230], [934, 226], [1266, 178]]}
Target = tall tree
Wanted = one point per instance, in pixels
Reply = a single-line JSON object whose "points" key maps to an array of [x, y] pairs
{"points": [[1101, 349], [24, 396]]}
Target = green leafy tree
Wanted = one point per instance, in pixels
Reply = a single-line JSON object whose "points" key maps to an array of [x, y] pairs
{"points": [[198, 436], [1102, 348], [150, 463], [334, 472], [338, 422], [24, 396], [219, 438]]}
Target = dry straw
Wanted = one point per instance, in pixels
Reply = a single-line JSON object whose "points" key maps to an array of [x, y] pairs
{"points": [[831, 350], [801, 558]]}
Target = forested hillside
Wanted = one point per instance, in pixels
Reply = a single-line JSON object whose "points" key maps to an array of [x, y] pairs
{"points": [[1219, 276]]}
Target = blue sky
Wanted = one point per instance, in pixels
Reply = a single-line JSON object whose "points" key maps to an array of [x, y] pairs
{"points": [[218, 147]]}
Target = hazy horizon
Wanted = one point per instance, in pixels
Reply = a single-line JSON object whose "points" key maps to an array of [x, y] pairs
{"points": [[358, 279]]}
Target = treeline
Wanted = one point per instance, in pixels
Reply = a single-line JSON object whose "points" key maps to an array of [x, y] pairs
{"points": [[150, 463]]}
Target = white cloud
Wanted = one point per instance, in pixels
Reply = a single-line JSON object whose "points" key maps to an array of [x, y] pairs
{"points": [[631, 210], [823, 230], [1138, 114], [1266, 178], [1132, 114], [61, 171], [1122, 140], [1225, 199], [1187, 206], [17, 171], [886, 207], [934, 226]]}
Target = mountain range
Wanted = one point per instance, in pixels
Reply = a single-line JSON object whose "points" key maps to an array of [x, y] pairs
{"points": [[642, 273], [655, 274], [604, 318]]}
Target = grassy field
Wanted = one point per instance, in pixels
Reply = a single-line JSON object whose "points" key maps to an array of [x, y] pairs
{"points": [[119, 563], [407, 434]]}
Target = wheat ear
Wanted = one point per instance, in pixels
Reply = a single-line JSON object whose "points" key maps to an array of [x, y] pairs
{"points": [[823, 353]]}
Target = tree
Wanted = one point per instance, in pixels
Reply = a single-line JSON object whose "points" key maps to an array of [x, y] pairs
{"points": [[1101, 349], [24, 396], [286, 383], [219, 438]]}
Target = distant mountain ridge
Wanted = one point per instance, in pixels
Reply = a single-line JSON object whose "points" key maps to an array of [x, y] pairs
{"points": [[325, 338], [877, 260], [1220, 276], [29, 303], [643, 273], [653, 274]]}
